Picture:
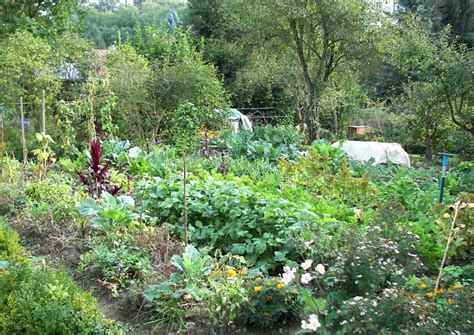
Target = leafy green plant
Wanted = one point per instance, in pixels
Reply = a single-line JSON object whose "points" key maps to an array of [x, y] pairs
{"points": [[44, 154], [39, 300], [271, 301], [267, 142], [113, 250], [202, 290], [9, 242], [53, 200]]}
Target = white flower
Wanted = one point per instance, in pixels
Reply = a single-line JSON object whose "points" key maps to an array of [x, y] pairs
{"points": [[307, 244], [306, 264], [357, 298], [312, 323], [288, 275], [320, 269], [305, 278]]}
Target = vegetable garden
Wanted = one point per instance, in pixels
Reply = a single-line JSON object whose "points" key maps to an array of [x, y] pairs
{"points": [[172, 167], [317, 241]]}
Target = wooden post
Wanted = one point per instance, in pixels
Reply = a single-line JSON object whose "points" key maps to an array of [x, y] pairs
{"points": [[43, 113], [185, 202], [2, 134], [23, 139]]}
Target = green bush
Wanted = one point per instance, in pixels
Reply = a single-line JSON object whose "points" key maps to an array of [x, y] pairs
{"points": [[40, 301], [9, 242], [398, 311], [51, 198], [7, 198]]}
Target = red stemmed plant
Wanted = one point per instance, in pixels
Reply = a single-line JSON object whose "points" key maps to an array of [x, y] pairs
{"points": [[96, 178]]}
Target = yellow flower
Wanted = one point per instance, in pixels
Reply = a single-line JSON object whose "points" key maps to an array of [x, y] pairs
{"points": [[450, 302], [267, 314], [257, 288], [241, 272], [423, 286], [456, 286], [231, 273], [280, 286], [430, 294]]}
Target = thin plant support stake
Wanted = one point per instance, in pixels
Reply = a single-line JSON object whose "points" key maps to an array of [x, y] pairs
{"points": [[185, 202], [458, 206], [23, 139], [43, 112]]}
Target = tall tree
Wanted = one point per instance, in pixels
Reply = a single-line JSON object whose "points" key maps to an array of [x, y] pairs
{"points": [[318, 36], [41, 17]]}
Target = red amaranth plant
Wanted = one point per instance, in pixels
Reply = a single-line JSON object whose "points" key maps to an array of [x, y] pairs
{"points": [[96, 179]]}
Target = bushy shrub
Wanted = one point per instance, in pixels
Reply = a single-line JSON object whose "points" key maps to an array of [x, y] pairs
{"points": [[40, 301], [52, 199], [371, 260], [9, 242], [271, 301], [267, 142], [399, 311], [7, 198]]}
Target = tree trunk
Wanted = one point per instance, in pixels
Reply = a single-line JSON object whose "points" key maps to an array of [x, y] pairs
{"points": [[312, 117], [429, 148]]}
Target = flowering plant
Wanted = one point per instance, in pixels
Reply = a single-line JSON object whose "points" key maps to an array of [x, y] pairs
{"points": [[270, 300]]}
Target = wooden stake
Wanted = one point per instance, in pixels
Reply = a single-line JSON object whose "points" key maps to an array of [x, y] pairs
{"points": [[23, 139], [2, 134], [185, 203], [43, 113]]}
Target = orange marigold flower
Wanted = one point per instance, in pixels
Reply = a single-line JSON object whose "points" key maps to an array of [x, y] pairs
{"points": [[257, 288], [451, 302], [280, 286], [439, 291], [423, 286], [267, 314]]}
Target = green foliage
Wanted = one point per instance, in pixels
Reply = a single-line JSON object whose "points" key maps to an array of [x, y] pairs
{"points": [[53, 200], [271, 301], [7, 198], [31, 15], [270, 143], [401, 311], [259, 221], [113, 249], [372, 260], [10, 247], [202, 287], [185, 123], [38, 300]]}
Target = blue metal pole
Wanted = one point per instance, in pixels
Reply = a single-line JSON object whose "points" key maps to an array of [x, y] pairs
{"points": [[445, 156]]}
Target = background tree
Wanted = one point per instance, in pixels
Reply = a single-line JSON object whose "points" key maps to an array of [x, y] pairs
{"points": [[40, 17], [320, 36], [129, 76]]}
